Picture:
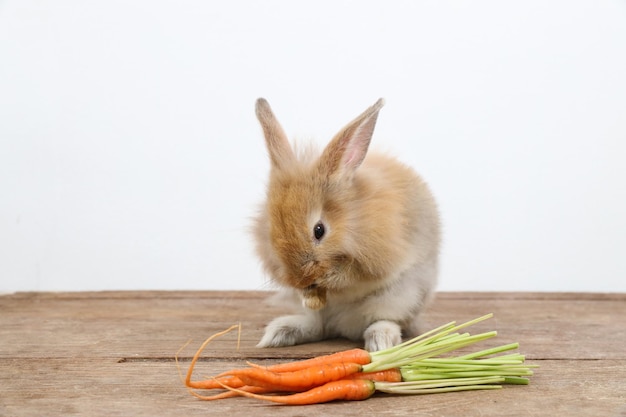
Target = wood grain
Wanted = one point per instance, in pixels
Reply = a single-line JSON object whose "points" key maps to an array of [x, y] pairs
{"points": [[111, 353]]}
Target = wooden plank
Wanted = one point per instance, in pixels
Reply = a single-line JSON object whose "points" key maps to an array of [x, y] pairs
{"points": [[104, 387], [110, 353], [134, 325], [207, 294]]}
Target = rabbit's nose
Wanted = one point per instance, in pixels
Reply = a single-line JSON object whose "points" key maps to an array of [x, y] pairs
{"points": [[308, 268], [310, 273]]}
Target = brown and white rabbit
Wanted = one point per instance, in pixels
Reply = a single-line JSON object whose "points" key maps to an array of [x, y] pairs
{"points": [[354, 240]]}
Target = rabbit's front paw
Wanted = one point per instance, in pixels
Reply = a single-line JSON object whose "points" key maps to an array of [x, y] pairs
{"points": [[381, 335], [291, 330]]}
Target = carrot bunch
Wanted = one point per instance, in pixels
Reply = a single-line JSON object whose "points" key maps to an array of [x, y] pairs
{"points": [[413, 367]]}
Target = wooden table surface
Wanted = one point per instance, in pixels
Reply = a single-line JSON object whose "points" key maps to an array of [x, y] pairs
{"points": [[111, 353]]}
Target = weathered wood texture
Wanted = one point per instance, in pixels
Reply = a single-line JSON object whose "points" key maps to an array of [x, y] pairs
{"points": [[111, 353]]}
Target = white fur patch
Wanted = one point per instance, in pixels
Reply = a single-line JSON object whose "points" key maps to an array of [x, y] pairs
{"points": [[381, 335], [292, 330]]}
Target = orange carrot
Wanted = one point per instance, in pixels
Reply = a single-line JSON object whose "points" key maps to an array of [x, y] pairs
{"points": [[388, 375], [346, 389], [353, 356], [303, 379], [360, 356]]}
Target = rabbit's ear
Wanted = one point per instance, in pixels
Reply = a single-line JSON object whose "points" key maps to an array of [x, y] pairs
{"points": [[348, 148], [277, 143]]}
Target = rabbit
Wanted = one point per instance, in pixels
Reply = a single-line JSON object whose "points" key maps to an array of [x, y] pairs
{"points": [[353, 241]]}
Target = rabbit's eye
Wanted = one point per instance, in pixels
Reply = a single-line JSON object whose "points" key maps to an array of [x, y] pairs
{"points": [[319, 230]]}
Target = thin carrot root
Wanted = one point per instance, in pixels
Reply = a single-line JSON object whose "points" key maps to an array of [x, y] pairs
{"points": [[347, 389], [231, 381], [231, 393], [204, 384], [303, 379]]}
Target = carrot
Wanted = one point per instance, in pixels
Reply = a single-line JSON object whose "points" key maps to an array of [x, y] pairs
{"points": [[388, 375], [408, 368], [313, 372], [345, 389], [360, 356], [303, 379]]}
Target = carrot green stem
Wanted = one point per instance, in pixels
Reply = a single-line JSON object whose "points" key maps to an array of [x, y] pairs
{"points": [[418, 360], [508, 366], [439, 334], [444, 389], [439, 385], [491, 351], [410, 354], [515, 380], [435, 334]]}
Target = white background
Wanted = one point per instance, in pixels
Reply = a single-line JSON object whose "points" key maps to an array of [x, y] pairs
{"points": [[130, 157]]}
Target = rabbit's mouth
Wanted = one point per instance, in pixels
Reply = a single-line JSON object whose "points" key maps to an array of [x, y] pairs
{"points": [[314, 297], [313, 288]]}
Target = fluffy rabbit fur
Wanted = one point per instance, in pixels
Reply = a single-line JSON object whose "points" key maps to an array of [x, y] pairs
{"points": [[354, 241]]}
